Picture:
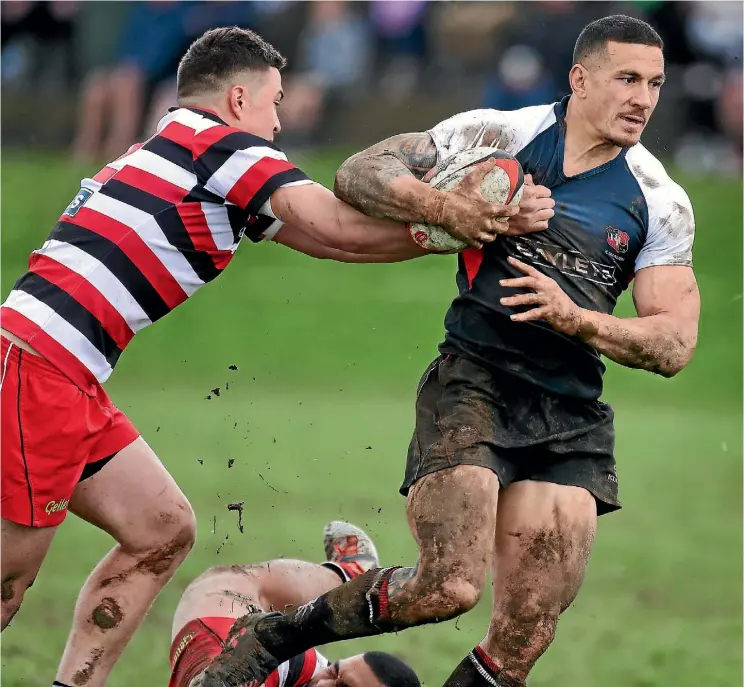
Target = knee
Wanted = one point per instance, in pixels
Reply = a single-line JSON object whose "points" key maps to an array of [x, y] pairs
{"points": [[184, 537], [167, 538], [451, 595], [177, 530], [461, 595]]}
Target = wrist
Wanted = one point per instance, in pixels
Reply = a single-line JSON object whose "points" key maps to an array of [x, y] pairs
{"points": [[434, 207], [586, 326]]}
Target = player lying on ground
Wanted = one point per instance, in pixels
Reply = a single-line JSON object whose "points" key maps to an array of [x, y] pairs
{"points": [[211, 604], [512, 451], [140, 237]]}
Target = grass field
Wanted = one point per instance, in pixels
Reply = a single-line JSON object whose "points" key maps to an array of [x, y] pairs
{"points": [[318, 416]]}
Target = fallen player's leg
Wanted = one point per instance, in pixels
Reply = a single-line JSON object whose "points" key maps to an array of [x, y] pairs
{"points": [[211, 604], [203, 626]]}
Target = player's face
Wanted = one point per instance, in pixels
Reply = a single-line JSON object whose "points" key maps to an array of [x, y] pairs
{"points": [[348, 672], [622, 91], [255, 99]]}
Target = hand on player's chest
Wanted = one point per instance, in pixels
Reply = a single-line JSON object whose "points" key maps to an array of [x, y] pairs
{"points": [[591, 236]]}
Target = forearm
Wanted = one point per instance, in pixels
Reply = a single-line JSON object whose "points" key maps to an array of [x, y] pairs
{"points": [[371, 258], [365, 235], [317, 250], [384, 180], [655, 343], [381, 186], [395, 250], [316, 212]]}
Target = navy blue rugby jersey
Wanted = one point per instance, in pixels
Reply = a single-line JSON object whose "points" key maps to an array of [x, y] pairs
{"points": [[610, 222]]}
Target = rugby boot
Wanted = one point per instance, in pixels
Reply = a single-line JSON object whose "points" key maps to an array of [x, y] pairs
{"points": [[349, 549]]}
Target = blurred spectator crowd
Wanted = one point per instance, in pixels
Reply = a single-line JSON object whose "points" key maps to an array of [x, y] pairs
{"points": [[359, 70]]}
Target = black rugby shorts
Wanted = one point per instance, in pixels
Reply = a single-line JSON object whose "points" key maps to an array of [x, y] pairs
{"points": [[467, 415]]}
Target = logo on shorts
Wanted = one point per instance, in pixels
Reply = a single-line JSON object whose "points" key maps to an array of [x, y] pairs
{"points": [[618, 239], [181, 646], [56, 506]]}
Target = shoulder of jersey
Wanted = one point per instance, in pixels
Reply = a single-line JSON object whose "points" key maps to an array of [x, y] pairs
{"points": [[509, 130], [656, 184]]}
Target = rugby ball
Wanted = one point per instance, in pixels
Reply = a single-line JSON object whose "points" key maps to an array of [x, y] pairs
{"points": [[502, 185]]}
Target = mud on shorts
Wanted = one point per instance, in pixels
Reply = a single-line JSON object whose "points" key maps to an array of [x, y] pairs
{"points": [[54, 435], [468, 415]]}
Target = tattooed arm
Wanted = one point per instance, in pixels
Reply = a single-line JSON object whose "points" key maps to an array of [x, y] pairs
{"points": [[385, 181]]}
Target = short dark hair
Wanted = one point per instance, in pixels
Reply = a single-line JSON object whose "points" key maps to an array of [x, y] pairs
{"points": [[618, 28], [391, 671], [219, 54]]}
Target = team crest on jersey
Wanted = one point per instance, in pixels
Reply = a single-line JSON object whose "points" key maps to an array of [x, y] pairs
{"points": [[77, 202], [618, 239]]}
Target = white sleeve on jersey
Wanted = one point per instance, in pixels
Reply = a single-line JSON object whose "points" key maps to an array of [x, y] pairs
{"points": [[671, 223], [267, 211], [508, 130]]}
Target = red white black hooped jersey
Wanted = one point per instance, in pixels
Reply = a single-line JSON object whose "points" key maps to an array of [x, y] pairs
{"points": [[143, 235], [298, 671]]}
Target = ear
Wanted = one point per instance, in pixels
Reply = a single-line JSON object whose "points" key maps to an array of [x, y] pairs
{"points": [[578, 77], [238, 101]]}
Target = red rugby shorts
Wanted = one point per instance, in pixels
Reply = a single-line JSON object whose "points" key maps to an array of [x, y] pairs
{"points": [[194, 647], [50, 431]]}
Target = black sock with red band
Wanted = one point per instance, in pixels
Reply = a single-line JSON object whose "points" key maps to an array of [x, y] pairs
{"points": [[358, 608], [355, 609], [477, 669]]}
